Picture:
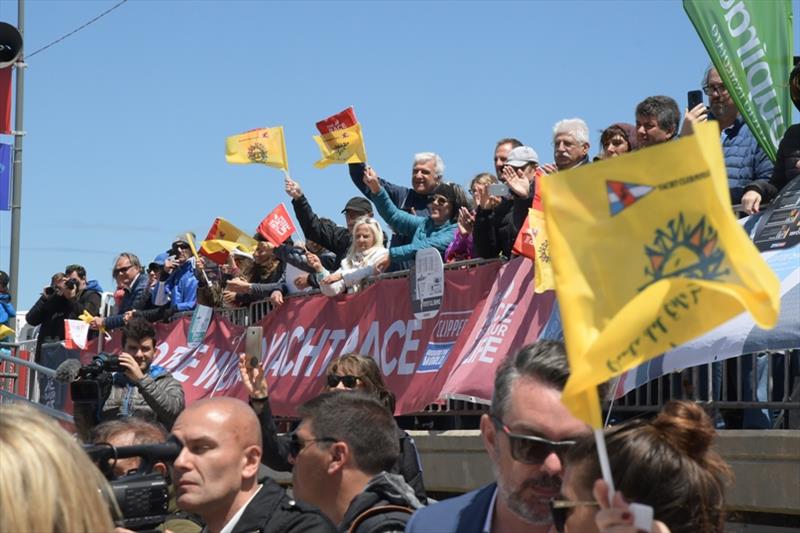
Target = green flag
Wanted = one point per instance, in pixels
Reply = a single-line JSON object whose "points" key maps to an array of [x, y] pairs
{"points": [[750, 44]]}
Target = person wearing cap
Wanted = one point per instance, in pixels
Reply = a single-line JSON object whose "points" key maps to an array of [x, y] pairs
{"points": [[325, 233], [426, 173], [128, 275], [435, 230], [498, 220], [157, 307], [570, 145], [178, 275]]}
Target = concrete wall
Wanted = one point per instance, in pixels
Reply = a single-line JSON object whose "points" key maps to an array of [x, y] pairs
{"points": [[766, 465]]}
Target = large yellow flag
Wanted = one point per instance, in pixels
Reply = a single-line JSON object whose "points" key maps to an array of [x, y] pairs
{"points": [[223, 238], [264, 146], [647, 256], [341, 146]]}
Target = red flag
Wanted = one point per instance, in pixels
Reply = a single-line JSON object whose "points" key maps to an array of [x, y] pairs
{"points": [[524, 244], [5, 100], [277, 226], [339, 121]]}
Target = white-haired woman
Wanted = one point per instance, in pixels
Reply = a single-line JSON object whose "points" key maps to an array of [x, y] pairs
{"points": [[366, 251]]}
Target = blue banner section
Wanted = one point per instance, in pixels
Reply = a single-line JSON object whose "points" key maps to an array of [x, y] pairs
{"points": [[5, 177]]}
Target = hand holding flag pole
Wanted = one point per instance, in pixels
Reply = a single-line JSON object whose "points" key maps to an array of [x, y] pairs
{"points": [[87, 317], [196, 257]]}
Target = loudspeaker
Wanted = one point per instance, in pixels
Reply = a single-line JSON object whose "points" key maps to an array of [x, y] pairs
{"points": [[10, 44]]}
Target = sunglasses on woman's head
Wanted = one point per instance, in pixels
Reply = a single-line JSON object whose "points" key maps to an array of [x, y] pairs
{"points": [[561, 508], [532, 450], [349, 381]]}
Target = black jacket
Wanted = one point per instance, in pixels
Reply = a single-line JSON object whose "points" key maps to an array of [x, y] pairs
{"points": [[136, 298], [276, 453], [496, 229], [786, 168], [49, 312], [382, 499], [328, 235], [272, 511]]}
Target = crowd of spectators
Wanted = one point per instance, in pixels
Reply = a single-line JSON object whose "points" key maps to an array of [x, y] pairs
{"points": [[353, 468]]}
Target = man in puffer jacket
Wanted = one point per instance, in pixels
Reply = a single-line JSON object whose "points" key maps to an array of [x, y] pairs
{"points": [[141, 389]]}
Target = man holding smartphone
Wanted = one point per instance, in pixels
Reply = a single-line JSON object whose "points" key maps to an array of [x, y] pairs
{"points": [[499, 218], [745, 161]]}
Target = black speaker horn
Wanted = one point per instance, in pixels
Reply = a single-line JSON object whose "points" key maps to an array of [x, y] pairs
{"points": [[10, 44]]}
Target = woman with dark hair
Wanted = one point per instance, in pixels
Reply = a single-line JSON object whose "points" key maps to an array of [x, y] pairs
{"points": [[667, 463], [618, 139], [349, 372]]}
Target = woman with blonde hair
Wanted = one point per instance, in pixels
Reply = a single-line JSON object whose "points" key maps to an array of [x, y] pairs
{"points": [[366, 251], [47, 482]]}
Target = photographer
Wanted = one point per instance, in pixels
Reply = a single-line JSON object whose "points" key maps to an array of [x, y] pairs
{"points": [[67, 297], [137, 388], [178, 276], [135, 431]]}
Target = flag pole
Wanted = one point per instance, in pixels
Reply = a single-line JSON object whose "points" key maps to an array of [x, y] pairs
{"points": [[16, 173], [605, 466], [196, 257]]}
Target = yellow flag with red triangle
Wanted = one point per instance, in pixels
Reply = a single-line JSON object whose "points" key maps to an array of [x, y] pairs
{"points": [[648, 255]]}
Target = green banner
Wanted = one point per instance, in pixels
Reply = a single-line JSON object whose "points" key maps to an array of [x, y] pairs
{"points": [[750, 44]]}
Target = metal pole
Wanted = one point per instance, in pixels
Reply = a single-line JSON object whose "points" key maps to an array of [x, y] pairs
{"points": [[16, 198]]}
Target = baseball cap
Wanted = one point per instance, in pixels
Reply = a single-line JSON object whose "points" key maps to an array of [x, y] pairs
{"points": [[359, 204], [521, 156], [158, 261]]}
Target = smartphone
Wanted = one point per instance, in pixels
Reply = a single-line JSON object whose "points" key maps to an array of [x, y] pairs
{"points": [[252, 345], [694, 99], [498, 189]]}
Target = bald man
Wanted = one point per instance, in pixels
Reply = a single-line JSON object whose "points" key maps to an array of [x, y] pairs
{"points": [[216, 474]]}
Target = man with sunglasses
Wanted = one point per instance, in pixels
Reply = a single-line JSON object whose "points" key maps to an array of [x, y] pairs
{"points": [[342, 451], [178, 276], [526, 433], [128, 275], [216, 474]]}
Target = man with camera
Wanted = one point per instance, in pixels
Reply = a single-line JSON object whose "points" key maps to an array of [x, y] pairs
{"points": [[137, 387], [178, 276], [67, 297]]}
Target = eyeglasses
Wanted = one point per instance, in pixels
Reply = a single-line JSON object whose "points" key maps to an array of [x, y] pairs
{"points": [[349, 381], [711, 89], [560, 510], [439, 200], [180, 246], [532, 450], [122, 270], [296, 445]]}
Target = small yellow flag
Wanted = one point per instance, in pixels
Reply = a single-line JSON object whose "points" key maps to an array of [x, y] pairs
{"points": [[5, 331], [543, 266], [341, 146], [648, 255], [264, 146]]}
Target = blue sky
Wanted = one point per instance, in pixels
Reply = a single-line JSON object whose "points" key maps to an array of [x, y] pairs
{"points": [[126, 120]]}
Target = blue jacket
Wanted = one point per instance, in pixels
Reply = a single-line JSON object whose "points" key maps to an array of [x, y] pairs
{"points": [[421, 230], [404, 198], [745, 161], [6, 309], [181, 286], [464, 514], [137, 297]]}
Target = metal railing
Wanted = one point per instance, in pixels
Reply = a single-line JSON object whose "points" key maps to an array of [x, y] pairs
{"points": [[20, 378]]}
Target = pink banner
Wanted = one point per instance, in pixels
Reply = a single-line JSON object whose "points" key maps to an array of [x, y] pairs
{"points": [[487, 313]]}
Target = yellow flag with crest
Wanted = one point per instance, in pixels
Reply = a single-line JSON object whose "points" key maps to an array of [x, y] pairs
{"points": [[265, 146], [648, 255]]}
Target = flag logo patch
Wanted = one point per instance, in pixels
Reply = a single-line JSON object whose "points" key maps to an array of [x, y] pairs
{"points": [[685, 251], [622, 195]]}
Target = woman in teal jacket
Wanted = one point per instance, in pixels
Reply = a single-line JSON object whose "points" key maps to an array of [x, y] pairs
{"points": [[436, 230]]}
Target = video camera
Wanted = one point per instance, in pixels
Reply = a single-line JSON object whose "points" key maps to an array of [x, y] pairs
{"points": [[93, 382], [141, 495]]}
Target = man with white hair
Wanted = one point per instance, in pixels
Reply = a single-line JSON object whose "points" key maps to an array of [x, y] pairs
{"points": [[426, 173], [570, 145]]}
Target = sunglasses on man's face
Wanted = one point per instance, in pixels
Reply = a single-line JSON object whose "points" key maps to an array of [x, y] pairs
{"points": [[532, 450], [349, 381], [296, 445], [122, 270], [560, 510]]}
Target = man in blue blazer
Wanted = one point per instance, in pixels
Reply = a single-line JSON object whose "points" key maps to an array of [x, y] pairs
{"points": [[526, 434]]}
